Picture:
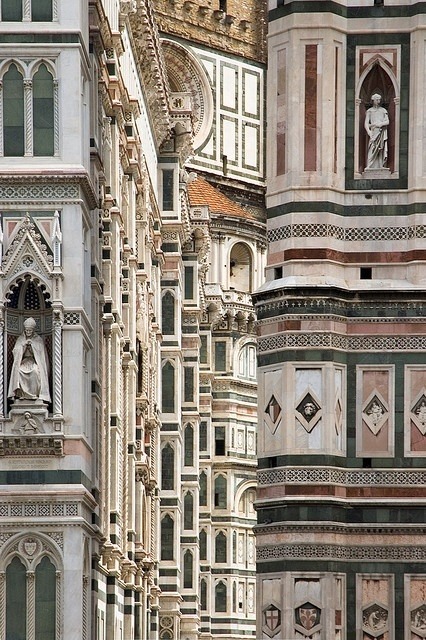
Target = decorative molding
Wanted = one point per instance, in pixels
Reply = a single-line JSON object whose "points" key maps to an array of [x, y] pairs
{"points": [[31, 446], [337, 552], [327, 340], [39, 510], [351, 477], [352, 234]]}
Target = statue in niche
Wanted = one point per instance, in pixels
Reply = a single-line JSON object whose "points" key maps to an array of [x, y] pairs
{"points": [[376, 125], [29, 376]]}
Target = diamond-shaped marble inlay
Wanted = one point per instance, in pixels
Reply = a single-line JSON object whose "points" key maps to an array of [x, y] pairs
{"points": [[418, 413], [308, 411], [375, 413], [338, 415], [273, 409], [418, 620], [375, 619]]}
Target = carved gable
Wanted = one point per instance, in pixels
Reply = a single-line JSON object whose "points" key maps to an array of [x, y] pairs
{"points": [[27, 252]]}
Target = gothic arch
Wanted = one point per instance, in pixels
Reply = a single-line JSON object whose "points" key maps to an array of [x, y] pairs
{"points": [[240, 267], [186, 74], [30, 548]]}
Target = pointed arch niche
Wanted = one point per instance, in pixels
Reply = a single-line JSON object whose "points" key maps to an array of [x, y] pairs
{"points": [[31, 271], [378, 72], [27, 297]]}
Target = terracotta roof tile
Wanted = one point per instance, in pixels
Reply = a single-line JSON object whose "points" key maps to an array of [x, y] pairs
{"points": [[202, 193]]}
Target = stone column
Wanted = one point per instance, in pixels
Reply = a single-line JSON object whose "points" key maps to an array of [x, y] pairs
{"points": [[28, 111]]}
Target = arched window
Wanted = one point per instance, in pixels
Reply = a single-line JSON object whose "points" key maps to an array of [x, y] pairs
{"points": [[41, 10], [220, 595], [11, 11], [188, 511], [167, 468], [168, 314], [40, 601], [16, 600], [168, 388], [240, 268], [247, 362], [220, 547], [234, 547], [13, 112], [36, 10], [189, 446], [203, 595], [203, 544], [188, 563], [234, 596], [220, 500], [45, 600], [203, 489], [29, 112], [167, 537], [43, 113]]}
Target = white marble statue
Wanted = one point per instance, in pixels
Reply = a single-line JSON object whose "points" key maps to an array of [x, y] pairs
{"points": [[376, 126], [29, 375]]}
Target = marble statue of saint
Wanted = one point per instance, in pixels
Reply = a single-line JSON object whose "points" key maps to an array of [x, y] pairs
{"points": [[376, 125], [29, 375]]}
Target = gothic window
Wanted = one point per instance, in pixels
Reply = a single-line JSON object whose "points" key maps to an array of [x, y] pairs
{"points": [[203, 595], [240, 268], [188, 511], [188, 563], [203, 489], [189, 446], [30, 114], [168, 313], [41, 10], [43, 115], [188, 384], [220, 597], [168, 189], [16, 600], [234, 547], [219, 441], [168, 388], [11, 11], [13, 112], [45, 600], [220, 492], [33, 592], [203, 544], [203, 435], [247, 362], [220, 547], [35, 10], [167, 537], [167, 468]]}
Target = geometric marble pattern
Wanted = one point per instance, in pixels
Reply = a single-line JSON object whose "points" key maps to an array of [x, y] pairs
{"points": [[326, 340], [354, 234], [331, 552], [364, 477]]}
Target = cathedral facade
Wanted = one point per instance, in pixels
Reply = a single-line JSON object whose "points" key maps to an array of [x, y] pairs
{"points": [[132, 233], [342, 374]]}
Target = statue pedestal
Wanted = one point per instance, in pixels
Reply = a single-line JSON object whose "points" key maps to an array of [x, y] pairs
{"points": [[376, 174], [38, 414]]}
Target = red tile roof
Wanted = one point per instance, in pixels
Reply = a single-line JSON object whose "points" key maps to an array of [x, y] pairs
{"points": [[202, 193]]}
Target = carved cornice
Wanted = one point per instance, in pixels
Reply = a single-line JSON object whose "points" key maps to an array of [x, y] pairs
{"points": [[152, 67], [28, 187]]}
